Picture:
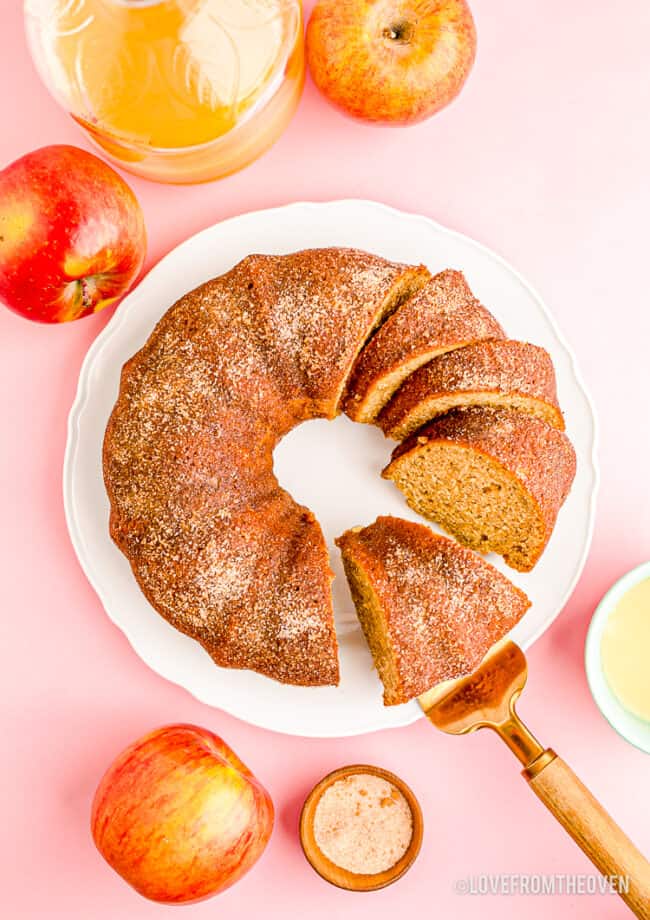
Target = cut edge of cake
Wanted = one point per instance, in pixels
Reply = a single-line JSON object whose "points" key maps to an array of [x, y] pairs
{"points": [[411, 280], [442, 316], [495, 479], [501, 374]]}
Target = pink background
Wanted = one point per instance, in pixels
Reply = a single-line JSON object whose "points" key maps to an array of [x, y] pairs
{"points": [[543, 158]]}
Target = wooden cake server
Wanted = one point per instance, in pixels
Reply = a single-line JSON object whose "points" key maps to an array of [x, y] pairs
{"points": [[486, 699]]}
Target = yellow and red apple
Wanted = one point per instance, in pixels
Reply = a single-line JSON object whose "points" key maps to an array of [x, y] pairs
{"points": [[392, 61], [179, 816], [72, 235]]}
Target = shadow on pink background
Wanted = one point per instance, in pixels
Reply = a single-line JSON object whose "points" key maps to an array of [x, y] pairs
{"points": [[544, 158]]}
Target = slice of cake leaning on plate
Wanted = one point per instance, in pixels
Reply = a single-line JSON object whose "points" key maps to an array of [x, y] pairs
{"points": [[429, 608], [493, 478]]}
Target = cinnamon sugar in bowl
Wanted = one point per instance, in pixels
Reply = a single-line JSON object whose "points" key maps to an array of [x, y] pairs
{"points": [[361, 828]]}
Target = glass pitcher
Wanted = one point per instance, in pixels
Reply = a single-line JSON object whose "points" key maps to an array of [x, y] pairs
{"points": [[173, 90]]}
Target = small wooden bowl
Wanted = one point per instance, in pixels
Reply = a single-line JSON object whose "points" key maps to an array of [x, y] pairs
{"points": [[334, 874]]}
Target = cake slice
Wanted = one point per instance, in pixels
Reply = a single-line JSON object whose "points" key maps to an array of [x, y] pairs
{"points": [[430, 609], [502, 374], [493, 478], [440, 317]]}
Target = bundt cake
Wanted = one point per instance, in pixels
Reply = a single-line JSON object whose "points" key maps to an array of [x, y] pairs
{"points": [[501, 374], [442, 316], [493, 478], [218, 548], [429, 608]]}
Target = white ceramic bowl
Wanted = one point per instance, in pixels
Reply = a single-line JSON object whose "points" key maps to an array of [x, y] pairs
{"points": [[630, 727]]}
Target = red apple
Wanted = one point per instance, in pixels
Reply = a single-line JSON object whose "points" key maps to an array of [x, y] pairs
{"points": [[394, 61], [72, 235], [179, 816]]}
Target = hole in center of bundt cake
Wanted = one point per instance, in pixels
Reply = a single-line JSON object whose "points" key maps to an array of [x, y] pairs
{"points": [[334, 469]]}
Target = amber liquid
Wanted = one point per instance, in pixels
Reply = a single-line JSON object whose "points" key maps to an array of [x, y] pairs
{"points": [[177, 90]]}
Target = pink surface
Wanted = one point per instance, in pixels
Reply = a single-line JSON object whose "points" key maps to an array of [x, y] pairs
{"points": [[545, 159]]}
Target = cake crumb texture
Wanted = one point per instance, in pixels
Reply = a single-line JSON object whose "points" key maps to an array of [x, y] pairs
{"points": [[493, 478]]}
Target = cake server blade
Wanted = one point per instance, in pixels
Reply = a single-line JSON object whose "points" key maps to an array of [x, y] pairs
{"points": [[486, 698]]}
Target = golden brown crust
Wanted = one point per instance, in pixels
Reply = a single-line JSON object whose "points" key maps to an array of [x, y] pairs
{"points": [[443, 605], [541, 458], [502, 370], [319, 306], [442, 316], [218, 548]]}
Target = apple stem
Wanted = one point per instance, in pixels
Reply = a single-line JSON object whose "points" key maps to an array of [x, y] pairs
{"points": [[86, 298], [401, 32]]}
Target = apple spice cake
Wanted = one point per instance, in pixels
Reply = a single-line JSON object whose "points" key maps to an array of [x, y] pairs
{"points": [[493, 478], [217, 547], [429, 608], [502, 374]]}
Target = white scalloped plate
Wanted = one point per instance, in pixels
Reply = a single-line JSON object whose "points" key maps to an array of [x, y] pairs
{"points": [[333, 467]]}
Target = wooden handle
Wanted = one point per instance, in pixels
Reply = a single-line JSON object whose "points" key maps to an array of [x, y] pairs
{"points": [[609, 849]]}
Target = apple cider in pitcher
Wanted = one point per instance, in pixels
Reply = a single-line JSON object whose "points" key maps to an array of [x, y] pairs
{"points": [[173, 90]]}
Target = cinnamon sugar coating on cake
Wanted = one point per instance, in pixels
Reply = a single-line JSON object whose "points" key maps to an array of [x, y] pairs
{"points": [[430, 609], [442, 316], [501, 374], [217, 547]]}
